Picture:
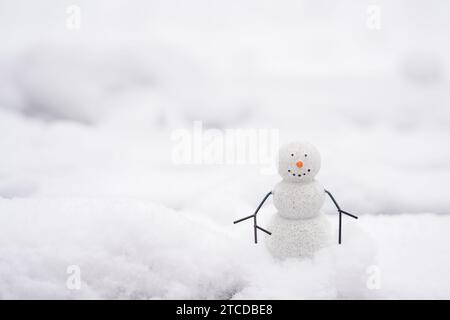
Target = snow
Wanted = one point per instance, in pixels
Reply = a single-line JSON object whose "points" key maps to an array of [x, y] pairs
{"points": [[136, 249], [87, 118]]}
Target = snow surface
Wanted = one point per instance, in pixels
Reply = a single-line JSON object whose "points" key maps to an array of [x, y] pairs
{"points": [[86, 170], [136, 249]]}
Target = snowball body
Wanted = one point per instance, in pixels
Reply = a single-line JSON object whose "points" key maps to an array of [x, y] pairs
{"points": [[295, 200], [298, 237]]}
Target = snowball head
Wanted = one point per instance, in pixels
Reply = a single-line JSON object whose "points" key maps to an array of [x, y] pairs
{"points": [[298, 161]]}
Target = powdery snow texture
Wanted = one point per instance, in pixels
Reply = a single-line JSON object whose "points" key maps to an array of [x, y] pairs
{"points": [[135, 249]]}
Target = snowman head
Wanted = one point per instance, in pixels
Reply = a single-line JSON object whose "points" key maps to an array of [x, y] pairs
{"points": [[298, 162]]}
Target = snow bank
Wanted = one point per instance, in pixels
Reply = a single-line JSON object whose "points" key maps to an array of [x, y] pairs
{"points": [[125, 249], [135, 249]]}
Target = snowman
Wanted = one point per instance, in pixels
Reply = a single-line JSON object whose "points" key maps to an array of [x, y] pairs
{"points": [[299, 228]]}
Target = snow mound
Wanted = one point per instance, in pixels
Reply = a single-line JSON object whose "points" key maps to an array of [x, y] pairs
{"points": [[124, 250], [338, 271], [134, 249]]}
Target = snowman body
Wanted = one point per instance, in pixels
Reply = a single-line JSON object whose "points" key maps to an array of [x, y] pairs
{"points": [[299, 228]]}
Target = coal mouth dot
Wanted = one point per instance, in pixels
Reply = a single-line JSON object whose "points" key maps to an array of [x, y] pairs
{"points": [[298, 174]]}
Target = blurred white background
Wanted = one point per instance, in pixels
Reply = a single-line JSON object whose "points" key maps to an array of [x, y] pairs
{"points": [[91, 91]]}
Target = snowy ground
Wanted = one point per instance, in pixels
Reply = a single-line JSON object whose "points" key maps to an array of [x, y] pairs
{"points": [[136, 249], [87, 118]]}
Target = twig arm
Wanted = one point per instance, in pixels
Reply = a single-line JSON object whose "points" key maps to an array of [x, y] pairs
{"points": [[255, 225], [332, 199], [340, 211], [262, 202], [338, 207], [349, 214], [256, 211], [243, 219]]}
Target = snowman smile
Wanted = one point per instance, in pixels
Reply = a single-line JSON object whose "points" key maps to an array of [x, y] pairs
{"points": [[298, 174]]}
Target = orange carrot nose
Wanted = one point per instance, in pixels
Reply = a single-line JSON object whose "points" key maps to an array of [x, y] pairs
{"points": [[299, 164]]}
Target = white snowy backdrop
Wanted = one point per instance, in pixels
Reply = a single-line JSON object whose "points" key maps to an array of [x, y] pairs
{"points": [[86, 170]]}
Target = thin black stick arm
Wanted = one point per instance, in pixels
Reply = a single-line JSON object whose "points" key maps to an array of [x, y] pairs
{"points": [[262, 202], [255, 224], [339, 208], [340, 215], [332, 199], [264, 230], [240, 220], [349, 214], [257, 209]]}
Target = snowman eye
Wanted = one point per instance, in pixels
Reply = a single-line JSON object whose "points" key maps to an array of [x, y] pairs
{"points": [[306, 155], [292, 154]]}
